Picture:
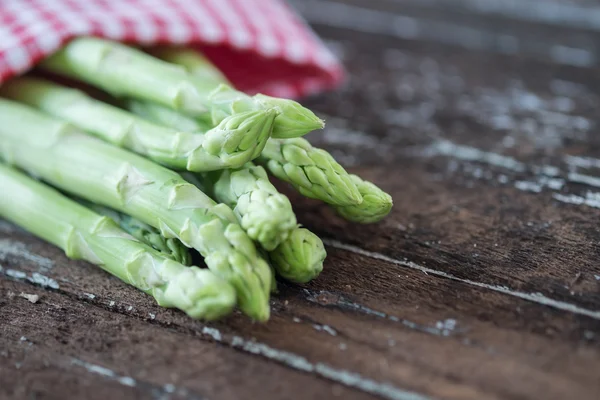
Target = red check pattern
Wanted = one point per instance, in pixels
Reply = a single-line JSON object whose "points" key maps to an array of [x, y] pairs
{"points": [[260, 45]]}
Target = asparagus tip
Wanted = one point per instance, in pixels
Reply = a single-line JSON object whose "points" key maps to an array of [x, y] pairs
{"points": [[294, 120], [375, 206], [300, 258]]}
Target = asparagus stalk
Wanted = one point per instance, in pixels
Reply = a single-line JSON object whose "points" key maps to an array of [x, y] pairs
{"points": [[166, 117], [375, 206], [168, 247], [83, 234], [99, 172], [235, 141], [126, 72], [193, 61], [294, 120], [299, 258]]}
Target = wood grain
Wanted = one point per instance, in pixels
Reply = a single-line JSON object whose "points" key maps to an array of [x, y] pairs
{"points": [[483, 283]]}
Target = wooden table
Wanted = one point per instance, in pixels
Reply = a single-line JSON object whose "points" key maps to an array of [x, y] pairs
{"points": [[483, 283]]}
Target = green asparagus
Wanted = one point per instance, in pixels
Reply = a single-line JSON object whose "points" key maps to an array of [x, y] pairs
{"points": [[99, 172], [294, 120], [168, 247], [312, 171], [83, 234], [235, 141], [379, 203], [375, 206], [126, 72], [193, 61], [166, 117], [299, 258], [264, 213]]}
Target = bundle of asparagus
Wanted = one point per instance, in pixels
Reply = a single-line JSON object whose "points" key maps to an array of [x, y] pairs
{"points": [[183, 164]]}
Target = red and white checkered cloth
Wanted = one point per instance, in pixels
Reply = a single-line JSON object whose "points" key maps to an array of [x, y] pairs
{"points": [[260, 45]]}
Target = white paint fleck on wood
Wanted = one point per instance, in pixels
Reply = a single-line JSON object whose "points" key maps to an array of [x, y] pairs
{"points": [[447, 326], [43, 281], [572, 56], [325, 328], [584, 179], [582, 162], [105, 372], [468, 153], [32, 298], [16, 274], [591, 199], [13, 248], [158, 392], [528, 186]]}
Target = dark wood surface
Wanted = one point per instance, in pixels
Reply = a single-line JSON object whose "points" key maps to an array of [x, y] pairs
{"points": [[484, 282]]}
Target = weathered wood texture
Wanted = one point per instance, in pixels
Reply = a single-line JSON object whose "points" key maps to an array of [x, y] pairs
{"points": [[483, 283]]}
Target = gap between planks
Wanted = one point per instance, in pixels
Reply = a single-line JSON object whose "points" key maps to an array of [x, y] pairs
{"points": [[291, 360], [533, 297], [406, 27]]}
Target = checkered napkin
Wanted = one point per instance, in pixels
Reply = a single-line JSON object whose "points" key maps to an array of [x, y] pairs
{"points": [[260, 45]]}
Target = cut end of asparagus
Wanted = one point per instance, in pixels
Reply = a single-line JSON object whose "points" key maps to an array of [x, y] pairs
{"points": [[375, 206], [294, 120], [300, 258], [199, 293]]}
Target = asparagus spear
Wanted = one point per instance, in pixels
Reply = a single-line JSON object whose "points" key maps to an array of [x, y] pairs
{"points": [[127, 72], [165, 116], [83, 234], [294, 120], [236, 140], [299, 258], [264, 213], [99, 172], [375, 206], [312, 171], [168, 247], [193, 61]]}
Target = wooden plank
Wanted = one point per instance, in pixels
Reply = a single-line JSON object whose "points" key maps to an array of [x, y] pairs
{"points": [[426, 335], [131, 356], [482, 283], [475, 187]]}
